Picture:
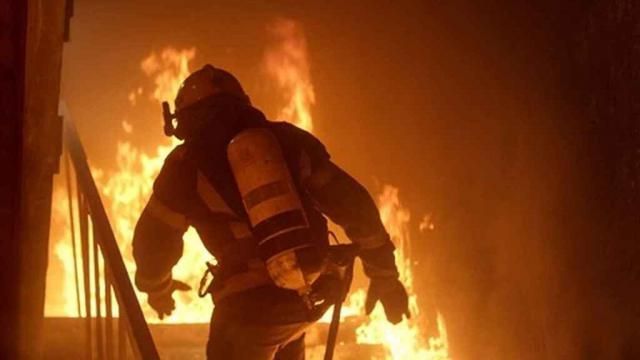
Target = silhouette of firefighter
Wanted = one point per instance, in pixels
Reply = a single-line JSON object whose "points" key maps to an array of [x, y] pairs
{"points": [[257, 192]]}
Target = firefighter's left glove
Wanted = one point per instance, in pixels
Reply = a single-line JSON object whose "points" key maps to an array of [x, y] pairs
{"points": [[162, 301], [380, 266], [393, 296]]}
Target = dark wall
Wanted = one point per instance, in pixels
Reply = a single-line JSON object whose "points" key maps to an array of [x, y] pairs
{"points": [[536, 255], [609, 58], [13, 20], [41, 147]]}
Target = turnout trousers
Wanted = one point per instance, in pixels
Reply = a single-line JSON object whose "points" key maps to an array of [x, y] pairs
{"points": [[263, 323]]}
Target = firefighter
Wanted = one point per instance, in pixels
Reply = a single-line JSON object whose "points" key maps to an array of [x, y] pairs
{"points": [[257, 192]]}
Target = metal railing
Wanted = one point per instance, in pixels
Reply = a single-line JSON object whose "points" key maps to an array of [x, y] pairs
{"points": [[106, 336]]}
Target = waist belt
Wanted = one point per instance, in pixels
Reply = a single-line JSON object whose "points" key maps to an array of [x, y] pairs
{"points": [[254, 275]]}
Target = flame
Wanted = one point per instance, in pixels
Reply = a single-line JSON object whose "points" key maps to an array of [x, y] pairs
{"points": [[125, 192], [404, 340], [286, 62], [63, 251], [127, 189], [169, 69]]}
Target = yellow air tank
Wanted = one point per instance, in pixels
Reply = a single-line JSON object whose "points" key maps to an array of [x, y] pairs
{"points": [[273, 205]]}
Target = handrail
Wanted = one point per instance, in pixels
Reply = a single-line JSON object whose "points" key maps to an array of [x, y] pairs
{"points": [[140, 336]]}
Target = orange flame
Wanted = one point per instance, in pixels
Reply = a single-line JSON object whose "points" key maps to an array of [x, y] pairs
{"points": [[404, 340], [125, 193], [169, 69], [127, 189], [286, 62]]}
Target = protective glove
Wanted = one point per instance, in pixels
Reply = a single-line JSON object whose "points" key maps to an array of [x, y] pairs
{"points": [[162, 301], [393, 296]]}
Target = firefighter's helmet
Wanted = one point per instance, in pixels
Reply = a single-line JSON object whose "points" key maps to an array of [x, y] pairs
{"points": [[197, 88]]}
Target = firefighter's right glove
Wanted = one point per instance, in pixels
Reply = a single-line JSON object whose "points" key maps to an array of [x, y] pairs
{"points": [[393, 296], [162, 301]]}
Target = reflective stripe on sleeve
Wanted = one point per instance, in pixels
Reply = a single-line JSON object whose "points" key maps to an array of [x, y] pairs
{"points": [[163, 213], [153, 285]]}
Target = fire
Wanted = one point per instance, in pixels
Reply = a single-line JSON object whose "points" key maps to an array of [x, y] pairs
{"points": [[404, 340], [125, 193], [62, 249], [126, 190], [168, 68], [286, 62]]}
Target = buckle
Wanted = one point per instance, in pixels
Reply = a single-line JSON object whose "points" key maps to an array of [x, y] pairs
{"points": [[205, 284]]}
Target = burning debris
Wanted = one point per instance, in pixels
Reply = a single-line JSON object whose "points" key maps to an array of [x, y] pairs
{"points": [[126, 191]]}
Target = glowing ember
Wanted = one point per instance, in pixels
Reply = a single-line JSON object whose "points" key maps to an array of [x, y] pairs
{"points": [[427, 223]]}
